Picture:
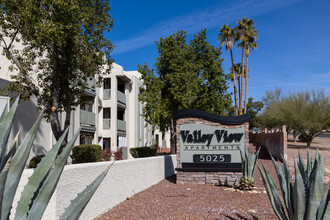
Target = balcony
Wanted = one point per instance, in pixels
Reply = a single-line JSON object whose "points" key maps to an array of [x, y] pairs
{"points": [[121, 97], [90, 87], [87, 118], [121, 125], [106, 94], [106, 123]]}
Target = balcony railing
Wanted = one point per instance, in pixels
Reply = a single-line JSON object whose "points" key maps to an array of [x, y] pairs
{"points": [[106, 123], [106, 94], [90, 87], [121, 125], [121, 97], [87, 118]]}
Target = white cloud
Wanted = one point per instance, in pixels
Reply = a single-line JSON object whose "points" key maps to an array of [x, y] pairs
{"points": [[211, 17], [309, 83]]}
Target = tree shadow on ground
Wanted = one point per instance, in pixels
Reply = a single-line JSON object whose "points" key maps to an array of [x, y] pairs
{"points": [[240, 217], [300, 147]]}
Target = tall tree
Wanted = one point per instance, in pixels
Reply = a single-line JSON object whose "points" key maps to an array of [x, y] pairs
{"points": [[254, 108], [243, 32], [63, 45], [250, 45], [185, 76], [227, 36], [237, 71]]}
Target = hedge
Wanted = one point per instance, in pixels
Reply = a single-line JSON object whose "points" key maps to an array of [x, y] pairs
{"points": [[87, 153], [138, 152]]}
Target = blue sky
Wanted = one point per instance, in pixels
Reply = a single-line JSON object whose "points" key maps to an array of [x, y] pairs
{"points": [[293, 45]]}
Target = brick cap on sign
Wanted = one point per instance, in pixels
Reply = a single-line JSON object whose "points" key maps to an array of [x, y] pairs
{"points": [[226, 120]]}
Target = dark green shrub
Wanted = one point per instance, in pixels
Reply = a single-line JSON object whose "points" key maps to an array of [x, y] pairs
{"points": [[138, 152], [35, 160], [87, 153]]}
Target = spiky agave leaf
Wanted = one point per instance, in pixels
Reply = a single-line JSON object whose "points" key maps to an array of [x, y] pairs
{"points": [[299, 200], [252, 163], [74, 210], [315, 191], [285, 185], [16, 169], [6, 121], [10, 152], [35, 181], [302, 168], [5, 168], [50, 183], [324, 206], [272, 192]]}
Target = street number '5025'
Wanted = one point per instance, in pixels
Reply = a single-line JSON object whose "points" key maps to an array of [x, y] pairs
{"points": [[211, 158]]}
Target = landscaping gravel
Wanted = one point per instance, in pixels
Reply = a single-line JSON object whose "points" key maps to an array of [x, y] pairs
{"points": [[168, 200]]}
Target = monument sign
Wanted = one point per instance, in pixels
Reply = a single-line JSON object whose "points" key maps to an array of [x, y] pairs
{"points": [[208, 146]]}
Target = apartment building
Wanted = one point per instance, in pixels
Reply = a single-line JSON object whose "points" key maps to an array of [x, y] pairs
{"points": [[110, 115]]}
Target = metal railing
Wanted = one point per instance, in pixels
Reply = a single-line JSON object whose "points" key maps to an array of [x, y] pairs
{"points": [[87, 117], [106, 94], [121, 97], [121, 125], [106, 123]]}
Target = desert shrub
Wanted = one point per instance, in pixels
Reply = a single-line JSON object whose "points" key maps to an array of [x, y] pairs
{"points": [[87, 153], [138, 152], [35, 160]]}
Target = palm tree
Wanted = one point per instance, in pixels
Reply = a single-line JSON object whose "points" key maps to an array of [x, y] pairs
{"points": [[227, 36], [251, 44], [243, 32], [238, 73]]}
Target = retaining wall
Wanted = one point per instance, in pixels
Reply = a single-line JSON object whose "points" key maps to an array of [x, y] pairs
{"points": [[125, 178], [274, 141]]}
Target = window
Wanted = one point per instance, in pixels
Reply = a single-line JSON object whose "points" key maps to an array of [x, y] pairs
{"points": [[106, 113], [106, 84], [86, 137], [87, 107]]}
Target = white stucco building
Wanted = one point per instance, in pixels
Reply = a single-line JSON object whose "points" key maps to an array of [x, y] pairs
{"points": [[110, 115]]}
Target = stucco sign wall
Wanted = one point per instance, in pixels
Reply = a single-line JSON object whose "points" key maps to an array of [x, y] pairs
{"points": [[208, 146]]}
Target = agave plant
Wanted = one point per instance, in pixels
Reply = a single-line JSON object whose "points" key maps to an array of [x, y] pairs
{"points": [[249, 160], [41, 185], [303, 200]]}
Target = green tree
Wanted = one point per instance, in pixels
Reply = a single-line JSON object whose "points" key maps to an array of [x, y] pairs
{"points": [[63, 45], [185, 76], [227, 36], [254, 108], [305, 112]]}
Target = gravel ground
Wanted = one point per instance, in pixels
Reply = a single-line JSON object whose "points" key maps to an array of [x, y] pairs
{"points": [[167, 200]]}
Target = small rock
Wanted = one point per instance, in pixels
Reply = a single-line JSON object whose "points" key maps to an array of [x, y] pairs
{"points": [[264, 191], [326, 171], [252, 211], [188, 189]]}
